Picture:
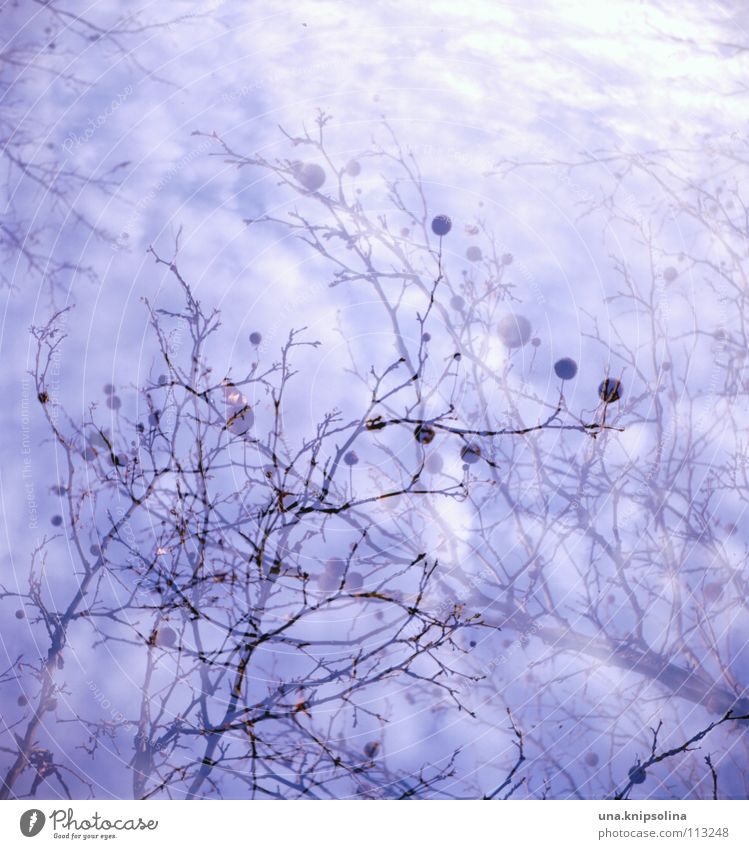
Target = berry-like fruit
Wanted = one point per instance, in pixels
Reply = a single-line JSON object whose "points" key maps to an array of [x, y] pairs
{"points": [[354, 581], [351, 458], [239, 415], [473, 254], [470, 453], [255, 338], [327, 583], [434, 463], [424, 434], [310, 175], [566, 368], [514, 330], [166, 637], [610, 390], [371, 749], [713, 591], [335, 567]]}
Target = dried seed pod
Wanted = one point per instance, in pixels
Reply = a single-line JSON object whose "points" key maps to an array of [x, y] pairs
{"points": [[566, 368], [441, 225], [310, 175], [424, 434], [166, 637]]}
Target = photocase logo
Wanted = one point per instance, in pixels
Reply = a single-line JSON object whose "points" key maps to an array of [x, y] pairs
{"points": [[32, 822]]}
